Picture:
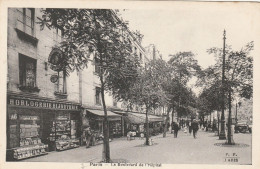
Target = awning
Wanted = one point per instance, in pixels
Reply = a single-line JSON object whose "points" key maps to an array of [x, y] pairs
{"points": [[120, 113], [138, 118], [130, 118], [100, 115]]}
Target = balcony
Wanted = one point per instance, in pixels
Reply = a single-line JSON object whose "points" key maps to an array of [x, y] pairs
{"points": [[61, 95], [30, 89]]}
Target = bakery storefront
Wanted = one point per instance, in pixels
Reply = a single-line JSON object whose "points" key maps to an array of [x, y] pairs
{"points": [[36, 126]]}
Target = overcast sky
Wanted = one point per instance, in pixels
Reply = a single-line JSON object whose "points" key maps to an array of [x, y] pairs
{"points": [[193, 28]]}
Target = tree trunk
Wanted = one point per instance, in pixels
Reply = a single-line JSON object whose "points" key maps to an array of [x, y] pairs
{"points": [[230, 134], [147, 127], [166, 122], [218, 122], [210, 118], [106, 150], [172, 118]]}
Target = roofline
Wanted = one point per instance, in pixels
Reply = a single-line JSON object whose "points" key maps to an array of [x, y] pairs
{"points": [[128, 30]]}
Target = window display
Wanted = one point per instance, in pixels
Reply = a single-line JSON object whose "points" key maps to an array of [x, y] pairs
{"points": [[63, 132], [30, 144], [115, 128]]}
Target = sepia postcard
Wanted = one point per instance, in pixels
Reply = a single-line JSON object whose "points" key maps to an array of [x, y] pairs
{"points": [[154, 84]]}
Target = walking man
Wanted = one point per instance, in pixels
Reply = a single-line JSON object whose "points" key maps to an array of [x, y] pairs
{"points": [[88, 137], [176, 129], [190, 128], [195, 128]]}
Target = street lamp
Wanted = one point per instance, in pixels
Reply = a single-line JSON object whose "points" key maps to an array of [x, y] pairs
{"points": [[222, 134]]}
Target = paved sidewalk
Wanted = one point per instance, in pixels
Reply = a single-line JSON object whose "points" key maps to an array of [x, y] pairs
{"points": [[182, 150]]}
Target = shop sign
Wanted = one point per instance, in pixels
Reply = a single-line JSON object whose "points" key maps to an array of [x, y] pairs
{"points": [[41, 104], [54, 78], [24, 117]]}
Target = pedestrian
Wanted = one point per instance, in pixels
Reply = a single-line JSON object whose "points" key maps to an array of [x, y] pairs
{"points": [[88, 136], [190, 128], [214, 127], [206, 125], [172, 127], [201, 123], [93, 138], [195, 128], [176, 129]]}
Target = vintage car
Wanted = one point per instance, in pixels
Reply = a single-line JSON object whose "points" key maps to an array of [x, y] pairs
{"points": [[249, 123], [241, 126]]}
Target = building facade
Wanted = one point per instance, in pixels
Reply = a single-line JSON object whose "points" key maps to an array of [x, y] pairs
{"points": [[47, 109], [42, 105]]}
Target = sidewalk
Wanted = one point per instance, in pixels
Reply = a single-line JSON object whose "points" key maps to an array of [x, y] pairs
{"points": [[182, 150]]}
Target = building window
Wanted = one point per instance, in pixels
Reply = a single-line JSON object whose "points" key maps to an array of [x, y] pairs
{"points": [[135, 50], [60, 85], [27, 71], [98, 96], [25, 20], [141, 57], [97, 66]]}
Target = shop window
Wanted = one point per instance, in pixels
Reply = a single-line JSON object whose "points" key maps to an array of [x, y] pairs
{"points": [[98, 96], [27, 71], [25, 20]]}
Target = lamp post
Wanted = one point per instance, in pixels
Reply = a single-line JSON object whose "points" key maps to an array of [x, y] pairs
{"points": [[222, 134]]}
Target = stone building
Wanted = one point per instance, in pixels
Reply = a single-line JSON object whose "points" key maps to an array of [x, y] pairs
{"points": [[48, 109]]}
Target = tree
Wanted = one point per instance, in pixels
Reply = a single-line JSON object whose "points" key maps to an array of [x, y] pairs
{"points": [[184, 66], [147, 91], [100, 33], [210, 99], [238, 76]]}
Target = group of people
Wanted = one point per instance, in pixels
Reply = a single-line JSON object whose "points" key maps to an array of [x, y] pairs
{"points": [[210, 125], [192, 126]]}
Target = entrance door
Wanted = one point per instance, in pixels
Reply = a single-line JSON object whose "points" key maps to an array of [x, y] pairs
{"points": [[48, 129]]}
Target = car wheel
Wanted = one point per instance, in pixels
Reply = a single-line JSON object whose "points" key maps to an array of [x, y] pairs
{"points": [[250, 130]]}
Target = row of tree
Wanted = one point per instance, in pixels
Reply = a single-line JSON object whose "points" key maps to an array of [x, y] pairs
{"points": [[237, 84], [99, 32]]}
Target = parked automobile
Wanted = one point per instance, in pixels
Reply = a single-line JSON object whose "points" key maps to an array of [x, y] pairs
{"points": [[249, 123], [241, 126]]}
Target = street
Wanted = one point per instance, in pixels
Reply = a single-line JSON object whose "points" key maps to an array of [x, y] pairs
{"points": [[182, 150]]}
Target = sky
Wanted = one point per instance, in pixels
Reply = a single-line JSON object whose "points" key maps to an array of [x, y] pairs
{"points": [[193, 28]]}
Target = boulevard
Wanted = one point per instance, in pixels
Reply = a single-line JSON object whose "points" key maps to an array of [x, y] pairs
{"points": [[181, 150]]}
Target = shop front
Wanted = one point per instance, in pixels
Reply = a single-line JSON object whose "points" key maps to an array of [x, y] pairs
{"points": [[134, 123], [36, 126], [137, 122], [96, 120]]}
